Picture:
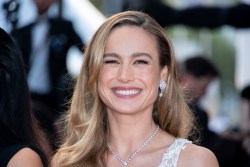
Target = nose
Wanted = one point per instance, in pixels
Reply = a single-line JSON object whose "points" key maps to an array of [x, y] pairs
{"points": [[125, 73]]}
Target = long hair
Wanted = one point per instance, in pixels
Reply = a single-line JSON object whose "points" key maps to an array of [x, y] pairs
{"points": [[17, 123], [86, 122]]}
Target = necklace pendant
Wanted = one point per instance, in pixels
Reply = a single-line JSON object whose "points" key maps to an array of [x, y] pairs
{"points": [[125, 163]]}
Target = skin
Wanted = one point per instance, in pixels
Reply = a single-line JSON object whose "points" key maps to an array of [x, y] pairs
{"points": [[197, 156], [131, 66], [26, 157], [43, 5], [128, 85]]}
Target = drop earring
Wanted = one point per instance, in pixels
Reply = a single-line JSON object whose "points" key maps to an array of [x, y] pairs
{"points": [[163, 86]]}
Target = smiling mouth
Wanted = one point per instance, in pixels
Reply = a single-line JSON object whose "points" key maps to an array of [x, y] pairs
{"points": [[127, 92]]}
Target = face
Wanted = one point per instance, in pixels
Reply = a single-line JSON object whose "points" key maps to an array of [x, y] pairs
{"points": [[130, 77], [196, 86], [43, 5]]}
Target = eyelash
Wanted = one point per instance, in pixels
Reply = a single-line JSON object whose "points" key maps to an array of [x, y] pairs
{"points": [[140, 62], [110, 62], [116, 62]]}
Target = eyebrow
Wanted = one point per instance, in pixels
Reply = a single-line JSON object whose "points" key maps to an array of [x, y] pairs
{"points": [[134, 55]]}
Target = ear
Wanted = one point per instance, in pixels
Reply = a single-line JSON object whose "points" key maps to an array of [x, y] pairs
{"points": [[164, 73]]}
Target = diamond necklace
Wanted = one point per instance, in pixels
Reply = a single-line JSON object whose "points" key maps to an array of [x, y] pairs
{"points": [[125, 162]]}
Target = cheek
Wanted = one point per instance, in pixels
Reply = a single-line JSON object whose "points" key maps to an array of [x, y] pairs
{"points": [[105, 75], [101, 83], [104, 80], [102, 88], [150, 72], [151, 80]]}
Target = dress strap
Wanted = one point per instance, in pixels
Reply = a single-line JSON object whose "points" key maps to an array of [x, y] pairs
{"points": [[171, 155]]}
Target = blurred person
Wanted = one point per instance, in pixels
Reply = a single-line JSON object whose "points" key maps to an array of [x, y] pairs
{"points": [[245, 121], [127, 108], [196, 73], [44, 44], [22, 143]]}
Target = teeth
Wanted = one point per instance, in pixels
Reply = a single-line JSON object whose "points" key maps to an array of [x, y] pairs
{"points": [[127, 92]]}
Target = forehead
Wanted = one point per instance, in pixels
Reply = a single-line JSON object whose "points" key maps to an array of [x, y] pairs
{"points": [[130, 38]]}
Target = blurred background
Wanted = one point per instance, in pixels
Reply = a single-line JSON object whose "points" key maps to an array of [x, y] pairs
{"points": [[216, 30], [225, 45]]}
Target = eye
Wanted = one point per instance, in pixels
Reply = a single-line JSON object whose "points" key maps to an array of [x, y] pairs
{"points": [[111, 62], [141, 62]]}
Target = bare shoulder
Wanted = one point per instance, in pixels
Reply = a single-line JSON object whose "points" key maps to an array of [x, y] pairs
{"points": [[196, 156], [26, 157], [54, 161]]}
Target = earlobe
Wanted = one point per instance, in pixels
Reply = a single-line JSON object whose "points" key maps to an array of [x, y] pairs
{"points": [[164, 73]]}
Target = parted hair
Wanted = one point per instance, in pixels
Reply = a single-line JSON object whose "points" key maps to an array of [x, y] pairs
{"points": [[86, 133]]}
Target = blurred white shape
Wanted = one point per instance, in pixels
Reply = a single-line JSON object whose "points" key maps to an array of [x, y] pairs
{"points": [[184, 46], [74, 61], [212, 99], [242, 73], [84, 15], [27, 12], [86, 19], [245, 1], [219, 124]]}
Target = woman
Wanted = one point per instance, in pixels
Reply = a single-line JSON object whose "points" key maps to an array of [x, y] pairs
{"points": [[127, 108], [21, 143]]}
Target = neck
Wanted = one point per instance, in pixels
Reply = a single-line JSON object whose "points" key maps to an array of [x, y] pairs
{"points": [[128, 156], [128, 137]]}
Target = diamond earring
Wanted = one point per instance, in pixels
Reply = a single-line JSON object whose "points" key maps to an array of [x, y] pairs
{"points": [[163, 86]]}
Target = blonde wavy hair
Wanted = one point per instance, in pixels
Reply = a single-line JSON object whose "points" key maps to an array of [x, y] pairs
{"points": [[85, 141]]}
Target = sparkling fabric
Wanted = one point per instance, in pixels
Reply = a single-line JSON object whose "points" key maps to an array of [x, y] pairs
{"points": [[171, 155]]}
